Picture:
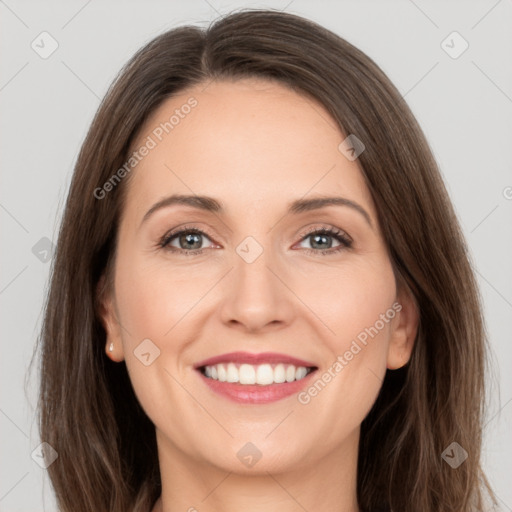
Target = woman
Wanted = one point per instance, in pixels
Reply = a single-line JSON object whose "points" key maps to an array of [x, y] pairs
{"points": [[196, 355]]}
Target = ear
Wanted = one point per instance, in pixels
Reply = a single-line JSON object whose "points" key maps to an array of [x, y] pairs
{"points": [[404, 328], [108, 315]]}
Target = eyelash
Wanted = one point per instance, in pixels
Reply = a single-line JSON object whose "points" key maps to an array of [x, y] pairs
{"points": [[345, 241]]}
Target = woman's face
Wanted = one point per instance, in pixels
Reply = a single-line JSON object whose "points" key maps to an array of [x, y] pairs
{"points": [[253, 272]]}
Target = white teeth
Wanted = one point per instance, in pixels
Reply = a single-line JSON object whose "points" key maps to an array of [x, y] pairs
{"points": [[232, 373], [263, 374], [247, 374], [300, 373], [221, 372], [279, 374]]}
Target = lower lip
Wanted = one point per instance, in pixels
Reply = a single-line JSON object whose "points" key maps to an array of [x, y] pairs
{"points": [[254, 393]]}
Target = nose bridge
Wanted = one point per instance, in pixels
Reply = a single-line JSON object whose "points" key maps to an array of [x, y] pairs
{"points": [[256, 297]]}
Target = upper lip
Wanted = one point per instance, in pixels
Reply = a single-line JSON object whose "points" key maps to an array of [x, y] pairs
{"points": [[254, 359]]}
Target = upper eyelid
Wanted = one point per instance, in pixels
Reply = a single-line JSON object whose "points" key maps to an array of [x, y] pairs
{"points": [[327, 228]]}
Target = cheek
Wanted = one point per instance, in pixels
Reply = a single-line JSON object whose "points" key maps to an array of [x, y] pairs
{"points": [[357, 306], [349, 298], [153, 299], [150, 304], [157, 303]]}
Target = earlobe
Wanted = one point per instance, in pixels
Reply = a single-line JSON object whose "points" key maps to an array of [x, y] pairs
{"points": [[403, 331], [115, 353], [106, 311]]}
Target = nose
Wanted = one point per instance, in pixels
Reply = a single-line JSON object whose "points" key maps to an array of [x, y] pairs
{"points": [[257, 297]]}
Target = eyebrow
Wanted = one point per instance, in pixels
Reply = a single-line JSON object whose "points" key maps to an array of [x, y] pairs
{"points": [[210, 204]]}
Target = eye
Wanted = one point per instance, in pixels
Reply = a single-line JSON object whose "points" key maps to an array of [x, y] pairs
{"points": [[188, 240], [321, 241]]}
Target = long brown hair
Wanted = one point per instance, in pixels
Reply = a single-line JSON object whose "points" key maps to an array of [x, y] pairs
{"points": [[88, 411]]}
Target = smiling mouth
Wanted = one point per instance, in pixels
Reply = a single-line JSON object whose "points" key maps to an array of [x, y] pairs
{"points": [[261, 374]]}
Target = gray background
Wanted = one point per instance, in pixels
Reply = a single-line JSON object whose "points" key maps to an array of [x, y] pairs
{"points": [[463, 104]]}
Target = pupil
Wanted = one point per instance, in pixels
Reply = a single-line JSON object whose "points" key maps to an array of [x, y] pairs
{"points": [[322, 238], [189, 239]]}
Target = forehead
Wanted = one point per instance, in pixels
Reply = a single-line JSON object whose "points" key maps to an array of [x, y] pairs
{"points": [[248, 142]]}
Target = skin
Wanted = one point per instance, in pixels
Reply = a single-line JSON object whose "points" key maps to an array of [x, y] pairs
{"points": [[255, 146]]}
